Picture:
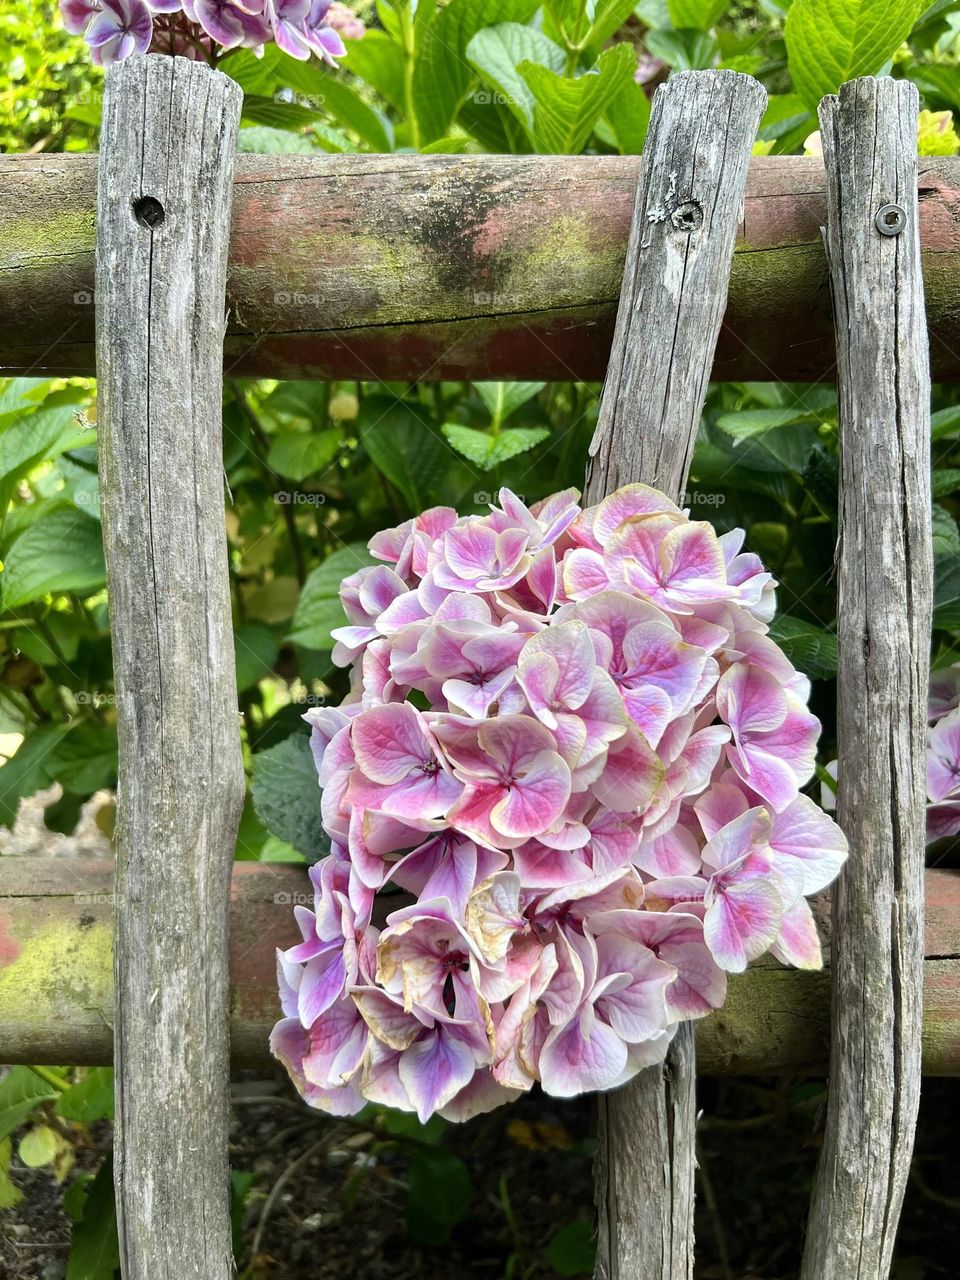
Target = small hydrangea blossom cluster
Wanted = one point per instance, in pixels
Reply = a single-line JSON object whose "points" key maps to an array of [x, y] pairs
{"points": [[563, 803], [201, 29], [943, 754], [943, 757]]}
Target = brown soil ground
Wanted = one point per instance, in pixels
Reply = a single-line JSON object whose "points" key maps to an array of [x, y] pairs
{"points": [[342, 1209]]}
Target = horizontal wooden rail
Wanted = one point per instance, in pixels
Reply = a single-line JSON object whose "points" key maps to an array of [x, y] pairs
{"points": [[453, 267], [56, 976]]}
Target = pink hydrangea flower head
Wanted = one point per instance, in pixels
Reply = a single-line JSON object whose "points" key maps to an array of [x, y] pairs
{"points": [[573, 757]]}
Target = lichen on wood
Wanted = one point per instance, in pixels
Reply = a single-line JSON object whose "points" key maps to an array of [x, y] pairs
{"points": [[453, 266]]}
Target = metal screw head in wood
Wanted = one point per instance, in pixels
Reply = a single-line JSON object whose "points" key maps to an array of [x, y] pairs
{"points": [[890, 219]]}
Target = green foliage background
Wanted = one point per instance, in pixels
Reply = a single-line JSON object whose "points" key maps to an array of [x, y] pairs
{"points": [[314, 469]]}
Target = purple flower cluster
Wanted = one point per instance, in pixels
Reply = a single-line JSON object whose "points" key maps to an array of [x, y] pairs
{"points": [[563, 800], [943, 754], [114, 29]]}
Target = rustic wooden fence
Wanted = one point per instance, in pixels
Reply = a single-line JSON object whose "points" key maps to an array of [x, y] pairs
{"points": [[510, 267]]}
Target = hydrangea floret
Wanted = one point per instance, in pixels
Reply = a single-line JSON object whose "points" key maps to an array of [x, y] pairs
{"points": [[943, 757], [943, 754], [563, 799], [206, 29]]}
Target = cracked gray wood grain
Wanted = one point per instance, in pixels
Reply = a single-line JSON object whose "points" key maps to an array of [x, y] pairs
{"points": [[688, 204], [163, 219], [885, 592]]}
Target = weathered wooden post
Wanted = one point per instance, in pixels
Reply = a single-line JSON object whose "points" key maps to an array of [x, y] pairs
{"points": [[688, 206], [163, 218], [885, 591]]}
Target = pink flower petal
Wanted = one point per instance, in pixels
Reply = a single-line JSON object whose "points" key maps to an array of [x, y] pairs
{"points": [[583, 1055], [797, 942], [434, 1070], [742, 922]]}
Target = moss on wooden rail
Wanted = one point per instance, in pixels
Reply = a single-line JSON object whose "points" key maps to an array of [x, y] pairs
{"points": [[56, 975], [452, 266]]}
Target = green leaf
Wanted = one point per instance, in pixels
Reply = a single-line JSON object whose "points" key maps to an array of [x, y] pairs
{"points": [[94, 1247], [17, 397], [20, 1091], [339, 564], [306, 400], [405, 1124], [470, 443], [821, 481], [299, 454], [572, 1251], [946, 593], [946, 535], [330, 92], [405, 445], [332, 140], [684, 50], [277, 113], [256, 75], [286, 795], [89, 1099], [495, 53], [628, 116], [747, 423], [23, 775], [438, 1195], [319, 609], [936, 135], [608, 17], [261, 140], [945, 480], [832, 41], [75, 1196], [775, 449], [256, 651], [491, 125], [508, 444], [504, 398], [701, 14], [80, 754], [80, 484], [811, 649], [945, 423], [39, 1146], [785, 112], [567, 110], [241, 1184], [10, 1195], [32, 437], [452, 145], [86, 759], [938, 84], [66, 630], [487, 451], [442, 76], [62, 551], [379, 62]]}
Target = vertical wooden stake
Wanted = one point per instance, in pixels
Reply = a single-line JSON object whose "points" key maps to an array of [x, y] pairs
{"points": [[163, 218], [688, 207], [885, 592]]}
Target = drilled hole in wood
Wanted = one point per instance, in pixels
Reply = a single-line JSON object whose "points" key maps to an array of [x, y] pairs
{"points": [[148, 211], [687, 216]]}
